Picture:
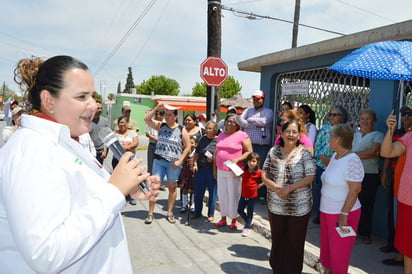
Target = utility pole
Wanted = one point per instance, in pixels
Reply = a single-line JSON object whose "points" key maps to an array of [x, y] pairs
{"points": [[214, 44], [296, 24]]}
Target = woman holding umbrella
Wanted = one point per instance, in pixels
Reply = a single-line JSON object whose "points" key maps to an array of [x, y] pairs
{"points": [[403, 236]]}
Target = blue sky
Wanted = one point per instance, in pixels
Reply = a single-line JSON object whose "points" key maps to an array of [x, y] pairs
{"points": [[171, 39]]}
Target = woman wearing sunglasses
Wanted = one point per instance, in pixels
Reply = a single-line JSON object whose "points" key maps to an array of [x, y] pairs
{"points": [[323, 153]]}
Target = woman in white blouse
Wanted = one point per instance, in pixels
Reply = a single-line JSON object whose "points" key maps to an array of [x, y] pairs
{"points": [[339, 205]]}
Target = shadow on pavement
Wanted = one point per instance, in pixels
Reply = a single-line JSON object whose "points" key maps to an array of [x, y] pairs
{"points": [[251, 252], [238, 267]]}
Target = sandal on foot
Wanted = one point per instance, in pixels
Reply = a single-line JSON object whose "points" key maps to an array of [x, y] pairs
{"points": [[171, 219], [233, 226], [210, 219], [149, 219], [220, 224]]}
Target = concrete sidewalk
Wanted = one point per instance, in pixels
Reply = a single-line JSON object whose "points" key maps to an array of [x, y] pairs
{"points": [[365, 258]]}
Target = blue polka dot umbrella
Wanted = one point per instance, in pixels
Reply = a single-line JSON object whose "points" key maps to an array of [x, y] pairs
{"points": [[389, 60]]}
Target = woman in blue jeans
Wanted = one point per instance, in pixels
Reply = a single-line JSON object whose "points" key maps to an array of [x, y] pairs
{"points": [[203, 168], [172, 147]]}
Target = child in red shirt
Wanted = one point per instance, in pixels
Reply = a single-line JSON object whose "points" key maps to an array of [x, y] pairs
{"points": [[251, 182]]}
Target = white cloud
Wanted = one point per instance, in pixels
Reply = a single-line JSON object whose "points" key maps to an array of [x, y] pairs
{"points": [[172, 38]]}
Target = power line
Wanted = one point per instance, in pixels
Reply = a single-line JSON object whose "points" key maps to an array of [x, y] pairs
{"points": [[124, 38], [253, 16], [150, 34], [25, 42], [365, 10]]}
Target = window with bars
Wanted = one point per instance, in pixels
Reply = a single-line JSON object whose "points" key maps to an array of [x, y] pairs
{"points": [[327, 89]]}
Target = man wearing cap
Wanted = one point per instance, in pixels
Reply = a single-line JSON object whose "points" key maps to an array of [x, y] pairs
{"points": [[257, 122], [202, 120], [126, 110], [98, 123]]}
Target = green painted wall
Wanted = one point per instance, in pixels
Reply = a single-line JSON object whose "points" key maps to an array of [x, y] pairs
{"points": [[139, 106]]}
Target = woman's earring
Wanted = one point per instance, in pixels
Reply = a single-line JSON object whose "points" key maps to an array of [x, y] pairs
{"points": [[51, 111]]}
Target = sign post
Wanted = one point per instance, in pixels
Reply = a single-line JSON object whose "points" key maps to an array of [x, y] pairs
{"points": [[214, 72]]}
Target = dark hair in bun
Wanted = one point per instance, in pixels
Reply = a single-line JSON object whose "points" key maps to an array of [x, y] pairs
{"points": [[34, 75]]}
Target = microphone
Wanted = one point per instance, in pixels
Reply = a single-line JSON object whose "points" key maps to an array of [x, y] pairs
{"points": [[110, 140]]}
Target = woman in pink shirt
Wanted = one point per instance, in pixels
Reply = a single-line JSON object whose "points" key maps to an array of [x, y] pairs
{"points": [[403, 236], [232, 145]]}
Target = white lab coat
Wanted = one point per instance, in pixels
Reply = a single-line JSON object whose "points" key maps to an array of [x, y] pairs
{"points": [[58, 214]]}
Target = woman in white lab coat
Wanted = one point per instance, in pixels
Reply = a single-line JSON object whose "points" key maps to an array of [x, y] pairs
{"points": [[59, 208]]}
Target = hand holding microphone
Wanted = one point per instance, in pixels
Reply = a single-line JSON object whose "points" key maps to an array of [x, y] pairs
{"points": [[128, 170]]}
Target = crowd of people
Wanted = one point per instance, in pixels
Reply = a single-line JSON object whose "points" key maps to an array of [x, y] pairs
{"points": [[342, 163], [246, 157]]}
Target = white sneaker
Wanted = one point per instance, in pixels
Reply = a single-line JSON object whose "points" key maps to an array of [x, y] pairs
{"points": [[245, 232]]}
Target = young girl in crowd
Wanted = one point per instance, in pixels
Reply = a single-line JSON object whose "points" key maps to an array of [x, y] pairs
{"points": [[187, 176], [251, 182]]}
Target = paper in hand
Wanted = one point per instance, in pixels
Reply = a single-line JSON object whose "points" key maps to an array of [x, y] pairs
{"points": [[348, 231], [208, 154], [234, 167]]}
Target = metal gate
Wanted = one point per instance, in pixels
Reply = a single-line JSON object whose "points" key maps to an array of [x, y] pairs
{"points": [[406, 93], [327, 89]]}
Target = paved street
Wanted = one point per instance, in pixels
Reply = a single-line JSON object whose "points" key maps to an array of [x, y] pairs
{"points": [[162, 247], [199, 248]]}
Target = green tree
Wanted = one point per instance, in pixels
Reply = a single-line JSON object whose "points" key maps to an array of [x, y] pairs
{"points": [[110, 96], [129, 82], [119, 89], [160, 85], [98, 96], [230, 88], [199, 90]]}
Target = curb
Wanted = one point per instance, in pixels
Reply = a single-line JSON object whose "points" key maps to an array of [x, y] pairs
{"points": [[261, 225], [311, 253]]}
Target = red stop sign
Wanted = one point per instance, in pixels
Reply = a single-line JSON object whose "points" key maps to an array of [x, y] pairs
{"points": [[213, 71]]}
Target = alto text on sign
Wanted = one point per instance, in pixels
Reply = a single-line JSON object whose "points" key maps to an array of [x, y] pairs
{"points": [[213, 71]]}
